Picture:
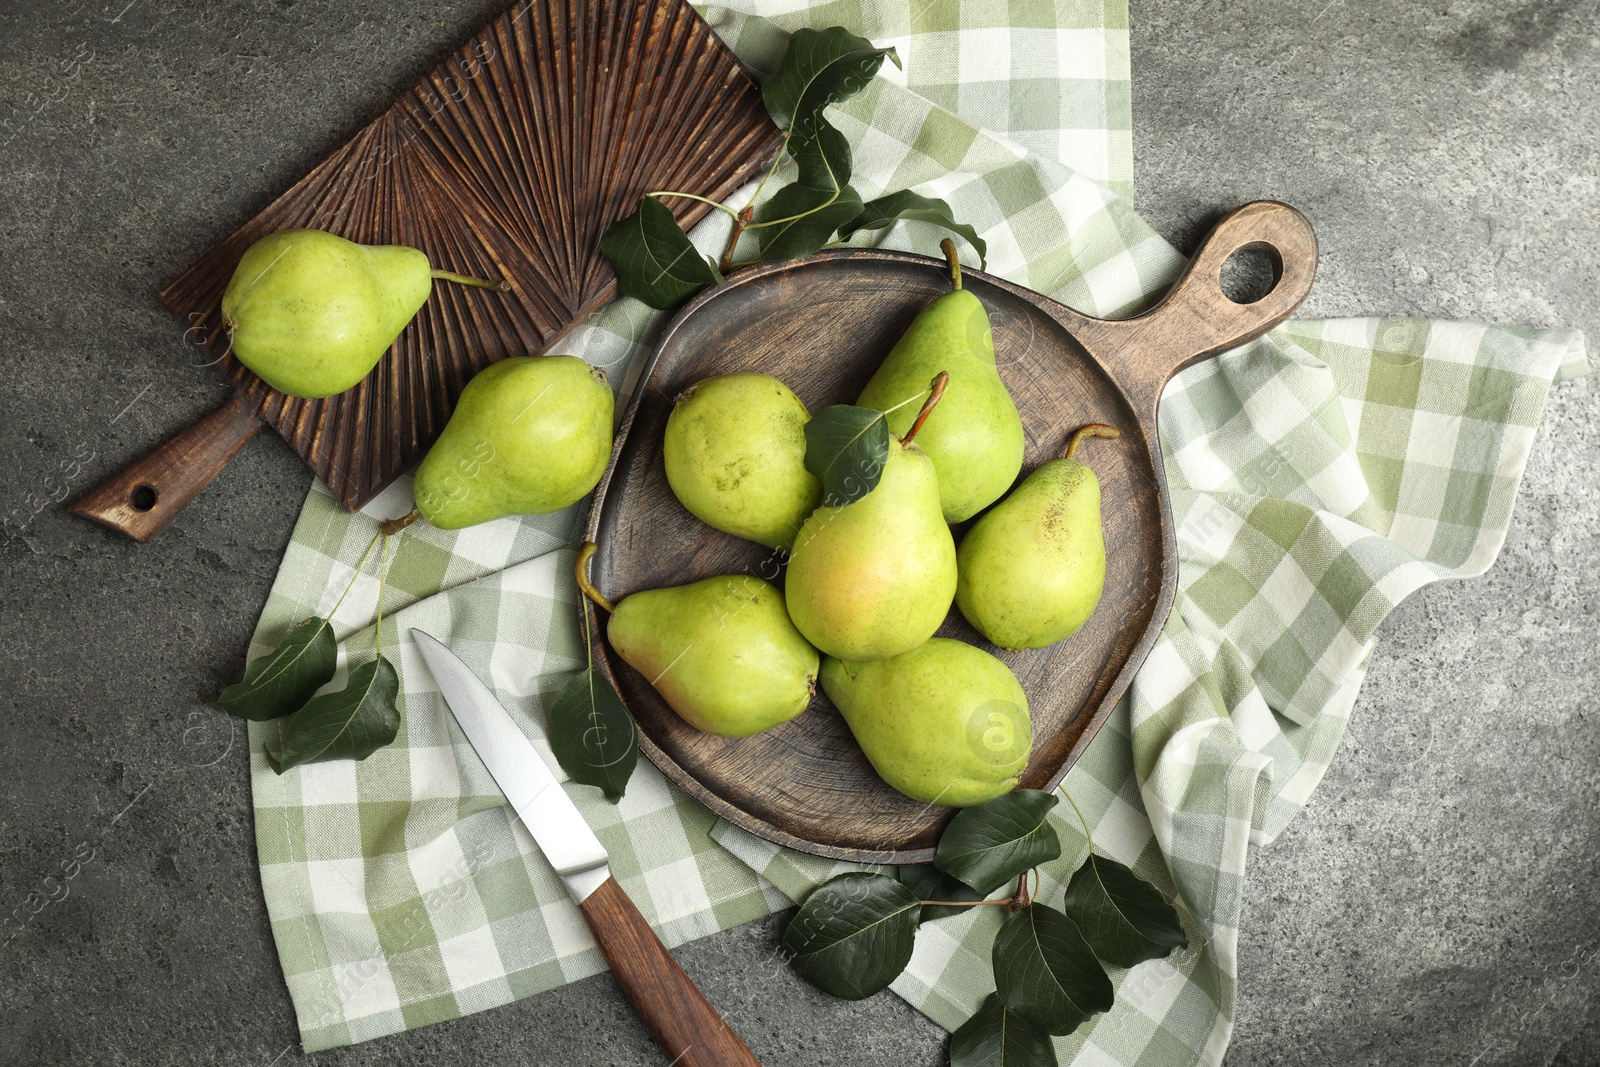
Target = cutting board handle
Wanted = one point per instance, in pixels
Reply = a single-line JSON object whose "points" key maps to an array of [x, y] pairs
{"points": [[677, 1014], [143, 500], [1196, 318]]}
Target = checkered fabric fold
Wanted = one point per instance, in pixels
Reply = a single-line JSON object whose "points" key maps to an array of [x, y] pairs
{"points": [[1318, 476]]}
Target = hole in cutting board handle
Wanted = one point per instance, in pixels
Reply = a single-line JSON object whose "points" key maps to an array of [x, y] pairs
{"points": [[143, 497], [1251, 273]]}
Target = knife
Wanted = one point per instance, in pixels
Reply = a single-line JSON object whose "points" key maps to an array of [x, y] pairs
{"points": [[678, 1015]]}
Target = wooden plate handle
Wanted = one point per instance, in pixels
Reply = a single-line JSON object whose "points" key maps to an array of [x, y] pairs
{"points": [[1196, 318], [678, 1015], [145, 498]]}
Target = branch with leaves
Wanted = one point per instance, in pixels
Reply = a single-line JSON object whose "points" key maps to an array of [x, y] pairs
{"points": [[652, 255], [855, 933], [350, 723]]}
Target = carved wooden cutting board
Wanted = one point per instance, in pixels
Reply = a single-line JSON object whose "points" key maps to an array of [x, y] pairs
{"points": [[508, 160]]}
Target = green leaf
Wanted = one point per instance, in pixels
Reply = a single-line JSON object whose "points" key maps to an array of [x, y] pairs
{"points": [[823, 158], [854, 934], [816, 204], [930, 883], [593, 736], [821, 67], [1045, 972], [887, 210], [998, 1037], [803, 219], [653, 258], [285, 678], [988, 845], [1123, 917], [846, 449], [352, 723]]}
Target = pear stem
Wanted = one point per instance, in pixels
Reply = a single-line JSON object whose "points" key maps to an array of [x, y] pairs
{"points": [[1094, 429], [394, 526], [949, 248], [467, 279], [582, 572], [939, 382]]}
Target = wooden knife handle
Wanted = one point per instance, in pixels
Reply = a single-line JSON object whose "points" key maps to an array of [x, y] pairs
{"points": [[680, 1018], [143, 500]]}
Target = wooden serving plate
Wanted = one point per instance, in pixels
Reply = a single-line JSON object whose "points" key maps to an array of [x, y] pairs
{"points": [[823, 325], [508, 160]]}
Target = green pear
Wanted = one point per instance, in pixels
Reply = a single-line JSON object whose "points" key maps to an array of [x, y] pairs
{"points": [[735, 452], [722, 652], [975, 439], [529, 434], [875, 577], [1032, 569], [944, 723], [311, 313]]}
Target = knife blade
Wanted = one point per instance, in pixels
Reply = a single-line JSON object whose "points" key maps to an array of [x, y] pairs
{"points": [[517, 768], [682, 1021]]}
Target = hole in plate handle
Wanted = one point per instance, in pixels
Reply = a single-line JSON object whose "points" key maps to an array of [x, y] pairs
{"points": [[1251, 273], [143, 497]]}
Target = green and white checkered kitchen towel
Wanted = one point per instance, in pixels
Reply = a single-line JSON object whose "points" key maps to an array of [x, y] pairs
{"points": [[1317, 476]]}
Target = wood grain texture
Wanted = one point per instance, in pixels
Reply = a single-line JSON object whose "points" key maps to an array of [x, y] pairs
{"points": [[508, 161], [677, 1014], [823, 325], [144, 498]]}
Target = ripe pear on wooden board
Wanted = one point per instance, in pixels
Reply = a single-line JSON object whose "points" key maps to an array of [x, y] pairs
{"points": [[311, 313], [944, 723], [875, 577], [529, 435], [721, 652], [1032, 568], [735, 453], [975, 439]]}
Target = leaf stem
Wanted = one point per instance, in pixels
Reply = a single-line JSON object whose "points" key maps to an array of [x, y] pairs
{"points": [[383, 574], [359, 568], [748, 212], [719, 205], [588, 646], [915, 398], [582, 572], [773, 169], [965, 903], [1086, 835], [467, 279], [934, 393], [795, 218], [1094, 429]]}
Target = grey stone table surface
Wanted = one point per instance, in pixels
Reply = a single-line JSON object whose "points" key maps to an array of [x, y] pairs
{"points": [[1438, 903]]}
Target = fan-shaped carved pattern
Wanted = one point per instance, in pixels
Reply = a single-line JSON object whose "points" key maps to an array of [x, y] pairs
{"points": [[509, 160]]}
